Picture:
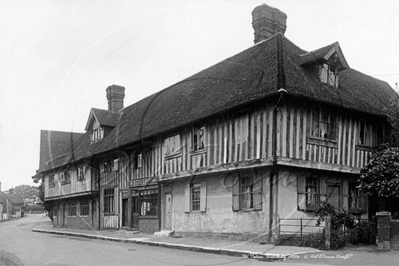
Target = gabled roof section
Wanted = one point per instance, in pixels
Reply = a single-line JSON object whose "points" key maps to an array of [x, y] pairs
{"points": [[331, 53], [16, 198], [55, 146], [103, 117]]}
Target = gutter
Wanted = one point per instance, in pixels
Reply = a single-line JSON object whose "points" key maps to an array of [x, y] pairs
{"points": [[274, 175]]}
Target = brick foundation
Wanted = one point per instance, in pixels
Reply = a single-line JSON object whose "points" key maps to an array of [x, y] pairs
{"points": [[149, 225]]}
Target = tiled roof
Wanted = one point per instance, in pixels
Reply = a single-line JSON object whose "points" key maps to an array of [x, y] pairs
{"points": [[16, 198], [241, 79], [55, 146]]}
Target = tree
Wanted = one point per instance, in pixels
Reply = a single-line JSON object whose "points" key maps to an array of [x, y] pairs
{"points": [[380, 177], [393, 119], [27, 192]]}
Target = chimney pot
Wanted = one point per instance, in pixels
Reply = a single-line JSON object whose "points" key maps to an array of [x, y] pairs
{"points": [[115, 96], [267, 21]]}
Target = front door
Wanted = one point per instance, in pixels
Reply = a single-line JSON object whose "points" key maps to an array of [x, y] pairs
{"points": [[125, 212], [168, 211], [65, 215], [135, 212], [333, 195]]}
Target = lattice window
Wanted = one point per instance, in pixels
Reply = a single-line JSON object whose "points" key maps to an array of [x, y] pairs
{"points": [[308, 193], [97, 134], [72, 208], [109, 201], [324, 124], [172, 145], [329, 75], [65, 177], [84, 208]]}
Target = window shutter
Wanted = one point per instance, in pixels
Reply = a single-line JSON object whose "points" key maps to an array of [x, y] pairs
{"points": [[258, 193], [187, 199], [301, 186], [363, 201], [236, 194], [203, 197]]}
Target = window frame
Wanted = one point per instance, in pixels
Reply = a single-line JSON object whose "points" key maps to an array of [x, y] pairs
{"points": [[81, 173], [71, 208], [198, 143], [241, 193], [195, 197], [84, 209], [65, 177], [138, 160], [148, 196], [328, 74], [97, 134], [318, 123], [308, 200], [51, 180], [109, 201], [109, 166]]}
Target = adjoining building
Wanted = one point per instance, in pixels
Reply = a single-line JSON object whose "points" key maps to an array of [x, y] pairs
{"points": [[268, 133]]}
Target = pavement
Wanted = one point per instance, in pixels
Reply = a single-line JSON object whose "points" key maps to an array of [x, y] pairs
{"points": [[245, 249]]}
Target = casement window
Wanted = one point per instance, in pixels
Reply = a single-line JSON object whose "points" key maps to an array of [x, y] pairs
{"points": [[97, 134], [308, 193], [84, 208], [72, 208], [138, 160], [51, 182], [369, 134], [329, 75], [324, 124], [198, 139], [357, 201], [195, 197], [81, 173], [109, 166], [109, 201], [65, 177], [247, 193], [148, 202], [172, 145]]}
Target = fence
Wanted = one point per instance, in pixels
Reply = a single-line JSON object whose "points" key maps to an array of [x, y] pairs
{"points": [[297, 231]]}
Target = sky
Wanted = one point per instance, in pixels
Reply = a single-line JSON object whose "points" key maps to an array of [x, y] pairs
{"points": [[58, 57]]}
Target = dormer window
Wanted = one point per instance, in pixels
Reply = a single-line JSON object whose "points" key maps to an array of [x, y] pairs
{"points": [[329, 75], [97, 134]]}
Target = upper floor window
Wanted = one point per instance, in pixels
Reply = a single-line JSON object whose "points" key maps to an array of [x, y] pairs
{"points": [[198, 138], [111, 166], [51, 182], [65, 177], [81, 173], [370, 134], [172, 145], [324, 124], [97, 134], [138, 160], [329, 75]]}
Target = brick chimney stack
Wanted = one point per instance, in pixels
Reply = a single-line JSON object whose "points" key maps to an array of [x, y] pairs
{"points": [[267, 21], [115, 96]]}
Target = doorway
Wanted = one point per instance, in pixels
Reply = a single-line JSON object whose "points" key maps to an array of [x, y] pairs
{"points": [[65, 214], [333, 195], [135, 212], [125, 212], [168, 211]]}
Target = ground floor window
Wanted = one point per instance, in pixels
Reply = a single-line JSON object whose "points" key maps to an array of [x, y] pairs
{"points": [[72, 208], [148, 202], [247, 193], [308, 193], [84, 208], [109, 200], [195, 196]]}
